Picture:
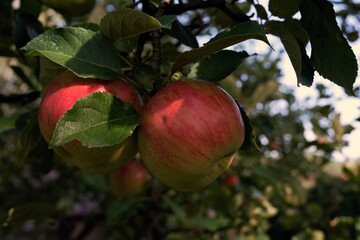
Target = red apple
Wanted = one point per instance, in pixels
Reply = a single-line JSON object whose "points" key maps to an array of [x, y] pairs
{"points": [[232, 180], [61, 95], [189, 134], [129, 179]]}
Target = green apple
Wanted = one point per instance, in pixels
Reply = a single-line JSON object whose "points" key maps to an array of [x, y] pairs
{"points": [[129, 180], [189, 134], [73, 8], [61, 95]]}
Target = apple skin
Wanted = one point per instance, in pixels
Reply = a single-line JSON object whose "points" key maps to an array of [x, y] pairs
{"points": [[73, 8], [61, 95], [129, 180], [189, 134]]}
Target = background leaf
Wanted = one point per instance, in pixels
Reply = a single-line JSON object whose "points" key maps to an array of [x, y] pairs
{"points": [[220, 65], [97, 120], [83, 51], [331, 54], [237, 34], [30, 211], [284, 8]]}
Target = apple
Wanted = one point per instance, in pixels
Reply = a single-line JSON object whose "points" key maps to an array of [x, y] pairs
{"points": [[189, 134], [232, 180], [129, 180], [73, 8], [61, 95]]}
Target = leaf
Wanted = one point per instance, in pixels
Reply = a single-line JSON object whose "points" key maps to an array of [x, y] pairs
{"points": [[294, 26], [307, 69], [261, 12], [249, 143], [289, 42], [178, 211], [184, 35], [237, 34], [85, 52], [145, 76], [30, 211], [166, 20], [30, 136], [122, 208], [48, 71], [220, 65], [284, 8], [126, 23], [97, 120], [7, 123], [331, 54], [211, 224]]}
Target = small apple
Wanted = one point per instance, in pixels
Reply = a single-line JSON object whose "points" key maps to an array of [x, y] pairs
{"points": [[189, 133], [73, 8], [61, 95], [231, 180], [129, 180]]}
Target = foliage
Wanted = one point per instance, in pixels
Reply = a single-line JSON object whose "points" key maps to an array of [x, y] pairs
{"points": [[290, 189]]}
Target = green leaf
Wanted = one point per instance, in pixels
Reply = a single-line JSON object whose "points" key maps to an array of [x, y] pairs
{"points": [[261, 12], [145, 76], [126, 23], [307, 69], [30, 136], [97, 120], [30, 211], [237, 34], [184, 35], [85, 52], [331, 54], [122, 208], [48, 71], [166, 20], [178, 211], [7, 123], [289, 42], [211, 224], [284, 8], [250, 135], [220, 65]]}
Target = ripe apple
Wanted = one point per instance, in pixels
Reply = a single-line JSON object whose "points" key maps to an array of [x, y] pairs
{"points": [[61, 95], [129, 179], [231, 180], [73, 8], [189, 134]]}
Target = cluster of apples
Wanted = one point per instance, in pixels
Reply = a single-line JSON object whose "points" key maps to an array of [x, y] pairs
{"points": [[189, 132]]}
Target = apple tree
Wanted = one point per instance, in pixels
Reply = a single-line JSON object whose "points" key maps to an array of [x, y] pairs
{"points": [[150, 119]]}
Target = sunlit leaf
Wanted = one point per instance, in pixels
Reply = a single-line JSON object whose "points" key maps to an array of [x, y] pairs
{"points": [[237, 34], [97, 120], [84, 52]]}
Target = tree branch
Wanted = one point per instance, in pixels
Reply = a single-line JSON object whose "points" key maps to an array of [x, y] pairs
{"points": [[19, 98], [177, 9]]}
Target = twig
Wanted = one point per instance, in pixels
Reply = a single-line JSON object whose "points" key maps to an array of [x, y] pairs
{"points": [[221, 4], [19, 98], [156, 57]]}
